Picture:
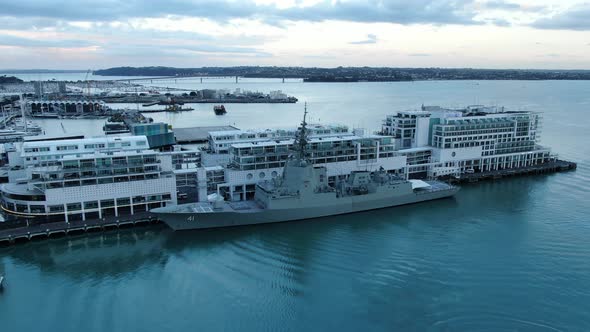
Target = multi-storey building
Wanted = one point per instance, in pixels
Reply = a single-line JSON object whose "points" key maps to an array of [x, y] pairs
{"points": [[251, 162], [221, 141], [78, 179], [473, 139]]}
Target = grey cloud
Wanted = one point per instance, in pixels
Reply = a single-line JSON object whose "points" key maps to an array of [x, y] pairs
{"points": [[502, 5], [419, 54], [371, 39], [500, 22], [392, 11], [575, 18], [510, 6], [9, 40], [15, 23]]}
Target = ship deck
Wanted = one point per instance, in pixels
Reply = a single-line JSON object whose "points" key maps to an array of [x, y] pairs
{"points": [[205, 207]]}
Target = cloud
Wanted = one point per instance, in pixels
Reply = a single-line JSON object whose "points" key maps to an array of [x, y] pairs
{"points": [[500, 22], [574, 18], [371, 39], [419, 54], [511, 6], [502, 5], [10, 40], [390, 11]]}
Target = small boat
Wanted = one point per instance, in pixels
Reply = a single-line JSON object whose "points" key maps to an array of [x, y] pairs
{"points": [[177, 108], [1, 282], [219, 109], [115, 125]]}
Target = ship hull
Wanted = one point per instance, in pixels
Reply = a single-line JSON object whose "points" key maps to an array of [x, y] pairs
{"points": [[189, 220]]}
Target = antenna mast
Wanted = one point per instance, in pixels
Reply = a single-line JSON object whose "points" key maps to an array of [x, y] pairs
{"points": [[301, 138]]}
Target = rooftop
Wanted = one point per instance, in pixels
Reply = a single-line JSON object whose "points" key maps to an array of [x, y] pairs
{"points": [[350, 137], [44, 143], [199, 134], [310, 127]]}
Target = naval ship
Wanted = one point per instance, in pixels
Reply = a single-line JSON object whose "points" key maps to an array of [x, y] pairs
{"points": [[303, 192]]}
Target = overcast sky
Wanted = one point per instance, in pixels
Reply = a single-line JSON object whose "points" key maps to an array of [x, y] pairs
{"points": [[94, 34]]}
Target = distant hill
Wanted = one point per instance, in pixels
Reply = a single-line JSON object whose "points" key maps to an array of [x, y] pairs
{"points": [[354, 74], [9, 79]]}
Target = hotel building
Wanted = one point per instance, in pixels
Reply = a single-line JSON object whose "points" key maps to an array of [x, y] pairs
{"points": [[474, 139], [78, 179]]}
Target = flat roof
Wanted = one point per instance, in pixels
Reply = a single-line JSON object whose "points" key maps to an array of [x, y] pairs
{"points": [[342, 138], [198, 134], [52, 137], [310, 126]]}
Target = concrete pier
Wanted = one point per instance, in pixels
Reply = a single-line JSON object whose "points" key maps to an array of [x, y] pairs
{"points": [[545, 168], [60, 229]]}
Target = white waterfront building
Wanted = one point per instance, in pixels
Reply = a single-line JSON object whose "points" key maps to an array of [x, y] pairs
{"points": [[439, 141], [236, 160], [77, 179], [88, 178]]}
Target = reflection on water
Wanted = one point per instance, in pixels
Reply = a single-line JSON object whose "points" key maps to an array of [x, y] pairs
{"points": [[503, 255]]}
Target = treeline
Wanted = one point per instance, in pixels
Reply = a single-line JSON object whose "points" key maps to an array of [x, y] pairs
{"points": [[354, 74], [9, 79]]}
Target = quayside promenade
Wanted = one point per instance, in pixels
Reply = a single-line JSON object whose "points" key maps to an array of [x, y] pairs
{"points": [[549, 167]]}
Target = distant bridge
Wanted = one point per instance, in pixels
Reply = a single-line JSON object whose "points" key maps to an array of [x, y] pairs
{"points": [[172, 78]]}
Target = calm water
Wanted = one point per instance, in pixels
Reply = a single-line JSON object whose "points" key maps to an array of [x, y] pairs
{"points": [[510, 255]]}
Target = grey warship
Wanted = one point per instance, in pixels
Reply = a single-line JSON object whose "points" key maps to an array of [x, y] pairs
{"points": [[303, 192]]}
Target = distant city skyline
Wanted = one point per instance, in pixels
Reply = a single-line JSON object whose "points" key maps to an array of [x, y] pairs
{"points": [[66, 34]]}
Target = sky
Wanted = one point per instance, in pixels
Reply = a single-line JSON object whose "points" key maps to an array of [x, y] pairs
{"points": [[96, 34]]}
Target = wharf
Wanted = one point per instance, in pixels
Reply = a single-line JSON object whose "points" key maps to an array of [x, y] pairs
{"points": [[133, 99], [197, 134], [58, 229], [548, 167], [165, 110]]}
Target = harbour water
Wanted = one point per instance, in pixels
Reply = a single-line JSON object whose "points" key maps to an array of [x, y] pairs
{"points": [[503, 255]]}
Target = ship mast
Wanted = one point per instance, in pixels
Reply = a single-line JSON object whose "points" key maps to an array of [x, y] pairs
{"points": [[301, 138]]}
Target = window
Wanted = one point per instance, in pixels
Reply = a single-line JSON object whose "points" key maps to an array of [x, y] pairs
{"points": [[107, 203], [123, 201], [56, 208], [67, 147], [91, 205], [74, 207]]}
